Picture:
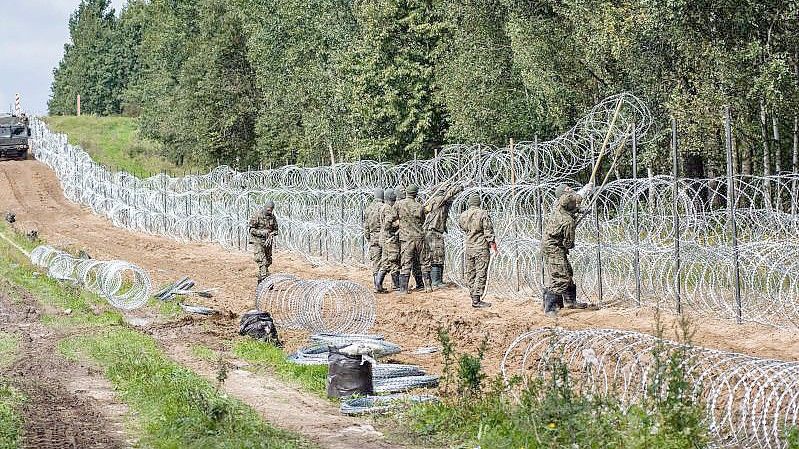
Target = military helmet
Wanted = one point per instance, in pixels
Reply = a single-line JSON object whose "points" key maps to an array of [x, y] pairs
{"points": [[378, 194], [474, 199], [561, 189], [412, 190], [269, 204], [400, 192], [390, 195]]}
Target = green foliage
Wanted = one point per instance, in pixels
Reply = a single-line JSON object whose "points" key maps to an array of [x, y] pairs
{"points": [[115, 142], [249, 82], [265, 355], [10, 420], [550, 412], [8, 348], [176, 407]]}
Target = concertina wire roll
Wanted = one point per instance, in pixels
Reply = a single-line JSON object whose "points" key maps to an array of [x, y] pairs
{"points": [[320, 210], [749, 401]]}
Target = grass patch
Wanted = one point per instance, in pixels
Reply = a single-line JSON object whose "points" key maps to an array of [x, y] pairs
{"points": [[203, 352], [114, 142], [8, 348], [10, 420], [264, 355], [176, 407]]}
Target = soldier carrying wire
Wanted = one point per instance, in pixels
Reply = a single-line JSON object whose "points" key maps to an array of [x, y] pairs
{"points": [[559, 234], [263, 228]]}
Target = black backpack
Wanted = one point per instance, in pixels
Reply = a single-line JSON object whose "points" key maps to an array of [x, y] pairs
{"points": [[260, 326]]}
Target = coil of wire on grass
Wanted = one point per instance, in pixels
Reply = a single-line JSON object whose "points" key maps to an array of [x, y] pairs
{"points": [[749, 401], [123, 284], [318, 306], [381, 404]]}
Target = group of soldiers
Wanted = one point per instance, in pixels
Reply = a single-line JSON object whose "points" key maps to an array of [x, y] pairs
{"points": [[406, 238]]}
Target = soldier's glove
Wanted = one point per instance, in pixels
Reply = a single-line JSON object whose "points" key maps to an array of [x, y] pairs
{"points": [[586, 190], [467, 183], [263, 233], [493, 245]]}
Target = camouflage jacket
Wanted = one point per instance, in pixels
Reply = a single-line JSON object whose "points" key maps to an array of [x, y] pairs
{"points": [[477, 227], [373, 219], [263, 226], [560, 229], [411, 219], [390, 225], [438, 210]]}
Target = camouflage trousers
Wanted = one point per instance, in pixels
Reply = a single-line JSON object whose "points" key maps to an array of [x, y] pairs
{"points": [[391, 257], [434, 247], [375, 254], [411, 256], [263, 257], [559, 272], [476, 271]]}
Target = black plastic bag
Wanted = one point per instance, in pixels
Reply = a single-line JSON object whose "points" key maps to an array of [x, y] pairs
{"points": [[348, 375], [260, 326]]}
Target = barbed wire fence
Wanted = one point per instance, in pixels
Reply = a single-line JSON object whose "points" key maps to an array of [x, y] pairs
{"points": [[717, 246], [748, 401]]}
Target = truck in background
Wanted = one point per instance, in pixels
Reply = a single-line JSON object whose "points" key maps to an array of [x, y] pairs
{"points": [[14, 135]]}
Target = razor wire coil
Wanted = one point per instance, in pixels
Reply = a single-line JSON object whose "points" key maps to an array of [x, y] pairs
{"points": [[749, 401], [123, 284]]}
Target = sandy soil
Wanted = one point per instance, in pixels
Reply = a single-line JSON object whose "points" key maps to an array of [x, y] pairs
{"points": [[32, 191]]}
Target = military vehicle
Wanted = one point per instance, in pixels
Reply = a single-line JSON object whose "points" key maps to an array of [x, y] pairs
{"points": [[14, 134]]}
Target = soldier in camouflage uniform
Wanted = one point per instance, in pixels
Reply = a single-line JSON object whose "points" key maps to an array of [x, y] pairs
{"points": [[411, 221], [390, 239], [558, 239], [478, 238], [372, 229], [435, 226], [263, 228]]}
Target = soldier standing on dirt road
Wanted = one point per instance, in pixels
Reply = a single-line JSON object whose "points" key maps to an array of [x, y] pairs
{"points": [[478, 238], [372, 229], [390, 239], [263, 228], [435, 226], [558, 239], [411, 221]]}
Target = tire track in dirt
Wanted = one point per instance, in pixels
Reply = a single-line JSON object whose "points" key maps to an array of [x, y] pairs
{"points": [[67, 405], [411, 321]]}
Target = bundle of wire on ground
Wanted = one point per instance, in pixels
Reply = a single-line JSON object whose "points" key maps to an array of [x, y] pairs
{"points": [[381, 404], [748, 401], [123, 284], [316, 306], [386, 377]]}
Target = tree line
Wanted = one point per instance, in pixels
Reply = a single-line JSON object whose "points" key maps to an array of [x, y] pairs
{"points": [[270, 82]]}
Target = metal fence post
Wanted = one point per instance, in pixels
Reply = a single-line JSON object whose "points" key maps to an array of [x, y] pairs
{"points": [[539, 209], [595, 213], [514, 205], [636, 226], [731, 206], [675, 172]]}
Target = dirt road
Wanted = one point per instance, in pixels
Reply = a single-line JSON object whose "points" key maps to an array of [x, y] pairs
{"points": [[32, 191]]}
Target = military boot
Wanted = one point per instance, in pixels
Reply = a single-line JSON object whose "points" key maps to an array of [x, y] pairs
{"points": [[379, 278], [437, 276], [552, 303], [419, 279], [428, 283], [478, 303], [570, 299], [395, 280], [403, 284]]}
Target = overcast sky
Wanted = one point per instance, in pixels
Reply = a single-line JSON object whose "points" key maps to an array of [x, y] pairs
{"points": [[32, 38]]}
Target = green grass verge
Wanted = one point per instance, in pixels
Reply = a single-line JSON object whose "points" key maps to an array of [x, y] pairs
{"points": [[176, 408], [114, 142], [17, 272], [10, 420], [8, 348], [203, 352], [262, 355]]}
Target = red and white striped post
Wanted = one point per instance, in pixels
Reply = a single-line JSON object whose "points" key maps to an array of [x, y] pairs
{"points": [[17, 106]]}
